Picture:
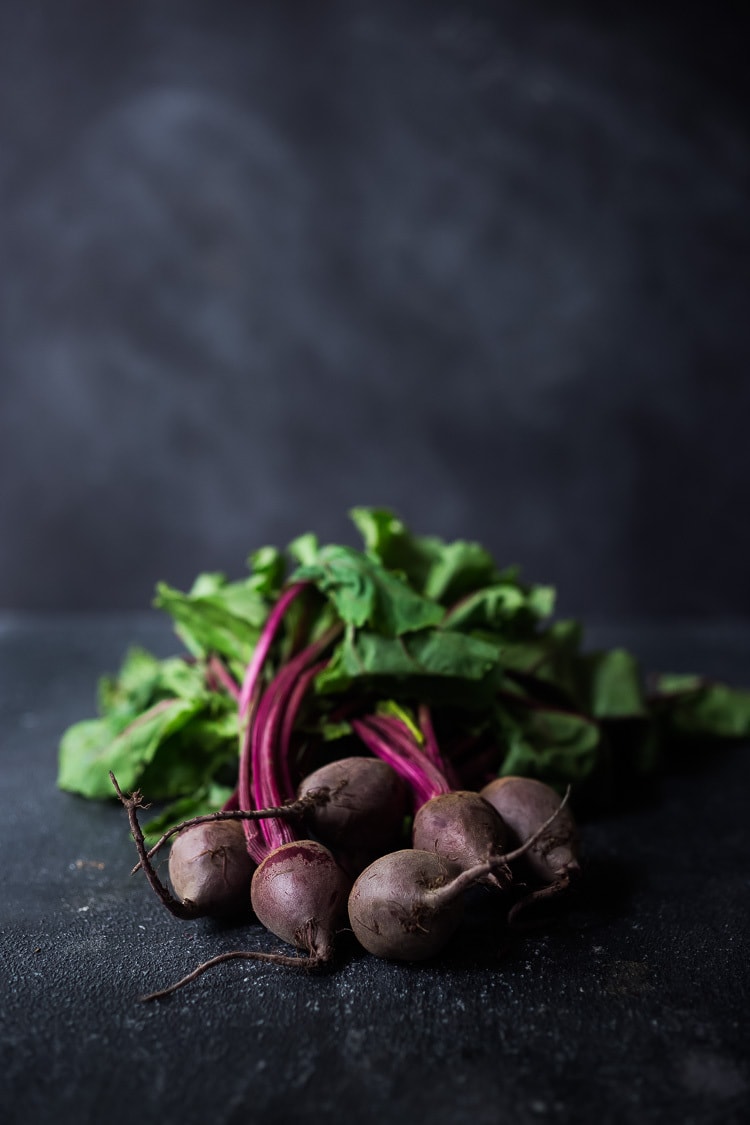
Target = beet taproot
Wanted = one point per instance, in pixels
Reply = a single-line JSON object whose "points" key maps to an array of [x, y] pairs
{"points": [[464, 828], [210, 869], [299, 893], [366, 806], [525, 804], [404, 906]]}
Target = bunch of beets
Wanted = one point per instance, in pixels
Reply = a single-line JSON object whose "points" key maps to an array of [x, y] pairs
{"points": [[335, 849], [407, 692]]}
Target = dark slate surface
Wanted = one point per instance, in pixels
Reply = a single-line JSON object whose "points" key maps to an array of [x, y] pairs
{"points": [[632, 1008]]}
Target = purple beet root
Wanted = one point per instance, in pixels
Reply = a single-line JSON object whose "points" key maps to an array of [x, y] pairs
{"points": [[525, 804], [299, 893], [365, 812], [403, 906], [210, 870], [464, 828]]}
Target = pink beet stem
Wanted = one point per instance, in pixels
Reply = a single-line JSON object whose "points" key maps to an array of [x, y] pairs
{"points": [[217, 668], [402, 741], [266, 733], [253, 838], [247, 707], [290, 717], [431, 747], [380, 744], [269, 752], [265, 640]]}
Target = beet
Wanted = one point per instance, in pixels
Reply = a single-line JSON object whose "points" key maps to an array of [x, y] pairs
{"points": [[525, 804], [464, 828], [210, 869], [299, 893], [366, 807], [405, 905]]}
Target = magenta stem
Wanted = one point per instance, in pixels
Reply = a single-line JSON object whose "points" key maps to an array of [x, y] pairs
{"points": [[266, 733], [381, 745], [270, 768], [290, 717], [263, 646], [431, 747], [402, 741], [247, 706], [225, 678], [254, 839]]}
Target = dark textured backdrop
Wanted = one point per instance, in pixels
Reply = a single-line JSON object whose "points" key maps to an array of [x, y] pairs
{"points": [[488, 263]]}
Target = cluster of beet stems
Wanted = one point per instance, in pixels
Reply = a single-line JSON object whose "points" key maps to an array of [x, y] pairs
{"points": [[404, 904]]}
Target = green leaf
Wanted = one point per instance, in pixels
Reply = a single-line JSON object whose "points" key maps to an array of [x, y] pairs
{"points": [[703, 710], [613, 687], [331, 732], [505, 604], [457, 569], [305, 549], [365, 593], [404, 714], [679, 683], [441, 571], [207, 799], [89, 750], [227, 619], [554, 746], [545, 660], [268, 568], [207, 746], [366, 656], [135, 686], [143, 680], [178, 678]]}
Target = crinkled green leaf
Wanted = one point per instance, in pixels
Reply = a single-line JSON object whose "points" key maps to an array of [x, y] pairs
{"points": [[206, 746], [135, 686], [178, 678], [226, 621], [549, 660], [705, 710], [365, 656], [677, 683], [143, 680], [304, 549], [457, 569], [613, 688], [89, 750], [365, 593], [501, 607], [268, 568], [553, 746], [441, 571]]}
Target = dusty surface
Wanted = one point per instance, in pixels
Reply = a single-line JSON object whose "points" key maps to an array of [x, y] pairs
{"points": [[632, 1008]]}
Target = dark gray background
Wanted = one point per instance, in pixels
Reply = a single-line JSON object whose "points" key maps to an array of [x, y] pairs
{"points": [[485, 262]]}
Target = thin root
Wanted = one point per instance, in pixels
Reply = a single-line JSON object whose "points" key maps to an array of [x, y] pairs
{"points": [[314, 798], [291, 962], [509, 857], [544, 893], [132, 804]]}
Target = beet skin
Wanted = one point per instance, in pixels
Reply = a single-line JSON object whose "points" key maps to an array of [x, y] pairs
{"points": [[210, 870], [299, 893]]}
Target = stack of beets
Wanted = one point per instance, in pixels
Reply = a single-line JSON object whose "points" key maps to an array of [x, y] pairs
{"points": [[308, 853]]}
